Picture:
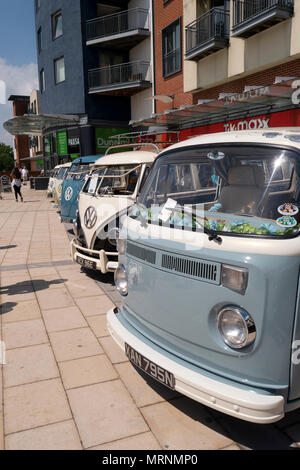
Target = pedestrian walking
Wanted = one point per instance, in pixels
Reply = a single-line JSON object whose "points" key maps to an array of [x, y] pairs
{"points": [[16, 183], [24, 174]]}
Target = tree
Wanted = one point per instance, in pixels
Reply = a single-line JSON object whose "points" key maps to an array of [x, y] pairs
{"points": [[6, 157]]}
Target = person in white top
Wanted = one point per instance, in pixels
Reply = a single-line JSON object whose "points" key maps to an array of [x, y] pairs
{"points": [[24, 173], [16, 183]]}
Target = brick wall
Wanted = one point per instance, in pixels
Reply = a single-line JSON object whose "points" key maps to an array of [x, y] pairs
{"points": [[163, 16], [265, 77]]}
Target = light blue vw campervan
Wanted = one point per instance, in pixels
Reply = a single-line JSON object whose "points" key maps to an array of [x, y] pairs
{"points": [[72, 186], [209, 272]]}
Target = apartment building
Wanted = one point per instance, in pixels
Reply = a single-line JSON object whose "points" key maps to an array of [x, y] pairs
{"points": [[231, 64], [95, 67]]}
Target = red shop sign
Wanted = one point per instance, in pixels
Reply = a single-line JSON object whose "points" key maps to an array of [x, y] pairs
{"points": [[290, 118]]}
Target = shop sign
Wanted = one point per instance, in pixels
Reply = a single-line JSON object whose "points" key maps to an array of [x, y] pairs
{"points": [[74, 141], [62, 146], [104, 140], [247, 95], [245, 125]]}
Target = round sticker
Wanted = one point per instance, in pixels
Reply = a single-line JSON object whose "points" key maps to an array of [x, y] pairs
{"points": [[216, 155], [68, 193], [286, 221], [288, 209]]}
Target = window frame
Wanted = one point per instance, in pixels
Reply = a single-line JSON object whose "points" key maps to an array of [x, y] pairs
{"points": [[54, 24], [39, 39], [42, 81], [55, 74], [174, 24]]}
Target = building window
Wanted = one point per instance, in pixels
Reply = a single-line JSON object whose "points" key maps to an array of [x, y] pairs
{"points": [[171, 48], [39, 40], [57, 29], [42, 81], [59, 69]]}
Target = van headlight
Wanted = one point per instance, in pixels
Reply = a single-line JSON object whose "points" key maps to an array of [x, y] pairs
{"points": [[236, 327], [121, 280]]}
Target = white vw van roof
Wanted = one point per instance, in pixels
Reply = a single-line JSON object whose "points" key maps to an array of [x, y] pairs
{"points": [[289, 136], [126, 158]]}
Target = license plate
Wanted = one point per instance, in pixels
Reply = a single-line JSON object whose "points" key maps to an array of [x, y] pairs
{"points": [[152, 369], [86, 263]]}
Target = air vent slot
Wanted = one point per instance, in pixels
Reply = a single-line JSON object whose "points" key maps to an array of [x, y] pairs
{"points": [[203, 270], [141, 253]]}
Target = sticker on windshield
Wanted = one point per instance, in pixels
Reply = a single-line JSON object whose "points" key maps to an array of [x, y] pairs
{"points": [[288, 209], [93, 184], [166, 211], [216, 155], [286, 221]]}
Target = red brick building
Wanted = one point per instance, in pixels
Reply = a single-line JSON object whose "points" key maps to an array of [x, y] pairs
{"points": [[20, 107]]}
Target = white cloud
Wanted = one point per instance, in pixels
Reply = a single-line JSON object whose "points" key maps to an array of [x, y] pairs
{"points": [[19, 81]]}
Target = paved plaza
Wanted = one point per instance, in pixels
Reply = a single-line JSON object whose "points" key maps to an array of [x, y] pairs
{"points": [[65, 384]]}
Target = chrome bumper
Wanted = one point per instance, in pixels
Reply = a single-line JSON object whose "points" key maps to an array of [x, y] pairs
{"points": [[102, 264]]}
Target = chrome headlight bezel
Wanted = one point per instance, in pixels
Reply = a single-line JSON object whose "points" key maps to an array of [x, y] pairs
{"points": [[121, 280], [249, 329]]}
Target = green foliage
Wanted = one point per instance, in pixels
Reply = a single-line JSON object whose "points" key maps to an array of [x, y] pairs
{"points": [[6, 157]]}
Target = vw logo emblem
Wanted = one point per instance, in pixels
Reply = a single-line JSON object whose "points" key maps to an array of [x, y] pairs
{"points": [[68, 193], [90, 217]]}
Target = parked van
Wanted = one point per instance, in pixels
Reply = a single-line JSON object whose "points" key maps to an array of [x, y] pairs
{"points": [[110, 189], [72, 186], [210, 273], [58, 179], [53, 173]]}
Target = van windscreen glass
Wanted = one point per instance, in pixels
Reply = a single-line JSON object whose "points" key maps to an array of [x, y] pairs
{"points": [[231, 189]]}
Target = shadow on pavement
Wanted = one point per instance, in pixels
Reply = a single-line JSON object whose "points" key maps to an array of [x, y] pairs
{"points": [[26, 287], [7, 307], [248, 436], [7, 247]]}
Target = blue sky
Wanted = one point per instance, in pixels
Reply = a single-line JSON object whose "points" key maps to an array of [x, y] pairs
{"points": [[18, 69], [17, 31]]}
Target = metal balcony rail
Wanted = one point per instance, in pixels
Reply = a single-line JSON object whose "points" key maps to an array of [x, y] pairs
{"points": [[118, 23], [211, 25], [118, 74], [247, 9]]}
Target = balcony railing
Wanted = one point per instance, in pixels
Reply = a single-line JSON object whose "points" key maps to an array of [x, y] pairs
{"points": [[252, 16], [208, 33], [118, 23], [133, 75]]}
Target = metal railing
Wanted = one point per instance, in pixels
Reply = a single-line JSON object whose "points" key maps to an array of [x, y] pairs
{"points": [[246, 9], [117, 23], [118, 74], [214, 24]]}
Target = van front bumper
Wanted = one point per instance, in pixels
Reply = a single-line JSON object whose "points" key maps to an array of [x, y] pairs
{"points": [[249, 405], [83, 256]]}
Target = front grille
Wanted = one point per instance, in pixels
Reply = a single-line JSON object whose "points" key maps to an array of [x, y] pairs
{"points": [[203, 270], [141, 253]]}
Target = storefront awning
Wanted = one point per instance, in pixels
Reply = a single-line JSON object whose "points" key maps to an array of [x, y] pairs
{"points": [[280, 95], [39, 125]]}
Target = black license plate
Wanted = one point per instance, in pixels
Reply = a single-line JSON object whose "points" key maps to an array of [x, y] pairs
{"points": [[86, 263], [152, 369]]}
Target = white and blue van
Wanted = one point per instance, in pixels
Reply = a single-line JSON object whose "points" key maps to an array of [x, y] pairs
{"points": [[208, 268]]}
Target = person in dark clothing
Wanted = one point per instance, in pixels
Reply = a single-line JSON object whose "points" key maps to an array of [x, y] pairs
{"points": [[16, 183]]}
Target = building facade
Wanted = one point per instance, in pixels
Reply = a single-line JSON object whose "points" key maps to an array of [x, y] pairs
{"points": [[230, 64], [21, 142], [95, 63]]}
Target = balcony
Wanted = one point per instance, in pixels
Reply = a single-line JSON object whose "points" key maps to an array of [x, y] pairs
{"points": [[207, 34], [252, 16], [120, 30], [121, 80]]}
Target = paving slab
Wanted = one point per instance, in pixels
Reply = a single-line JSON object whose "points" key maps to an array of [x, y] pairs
{"points": [[28, 365], [139, 442], [185, 425], [59, 436], [34, 405], [25, 333], [22, 311], [105, 412], [97, 305], [87, 371], [112, 350], [60, 299], [98, 324], [73, 344], [61, 319]]}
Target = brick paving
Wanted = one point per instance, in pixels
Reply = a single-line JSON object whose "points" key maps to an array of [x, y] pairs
{"points": [[65, 384]]}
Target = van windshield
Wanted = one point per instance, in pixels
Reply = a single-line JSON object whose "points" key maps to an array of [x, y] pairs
{"points": [[113, 180], [61, 173], [238, 189], [78, 172]]}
